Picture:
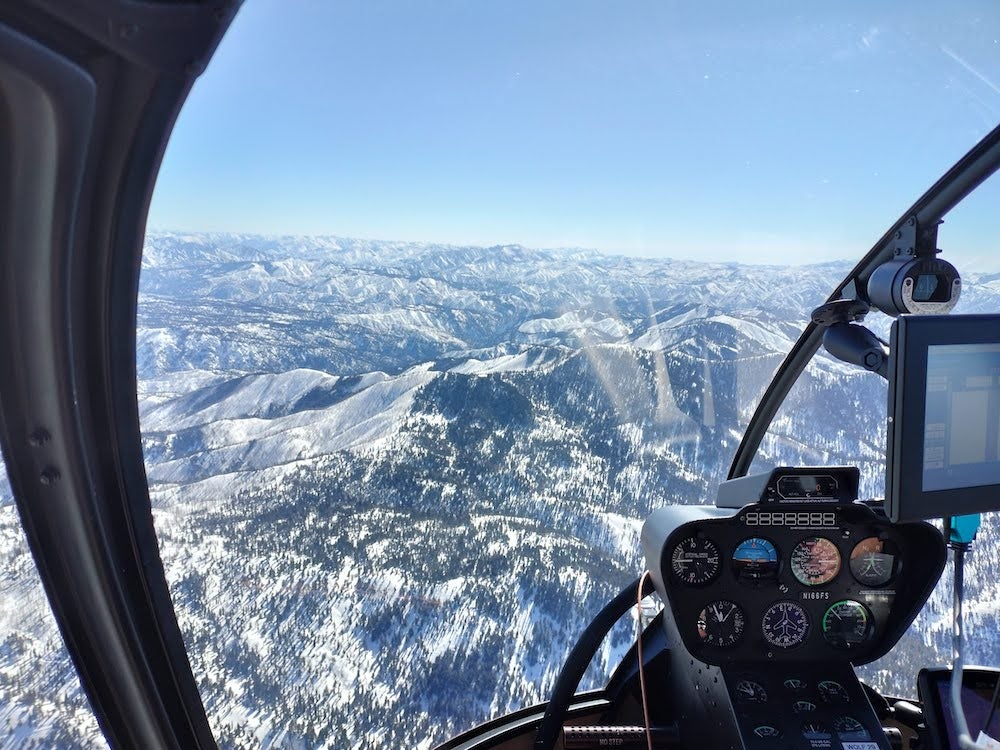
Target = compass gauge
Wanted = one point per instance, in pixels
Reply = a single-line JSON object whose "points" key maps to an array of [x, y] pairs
{"points": [[785, 624], [695, 561]]}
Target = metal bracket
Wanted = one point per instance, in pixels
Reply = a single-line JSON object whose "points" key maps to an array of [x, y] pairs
{"points": [[914, 241]]}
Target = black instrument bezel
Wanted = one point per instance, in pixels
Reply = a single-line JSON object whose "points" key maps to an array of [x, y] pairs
{"points": [[892, 606]]}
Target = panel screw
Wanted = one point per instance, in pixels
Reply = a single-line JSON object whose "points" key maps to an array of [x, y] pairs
{"points": [[49, 475], [39, 437]]}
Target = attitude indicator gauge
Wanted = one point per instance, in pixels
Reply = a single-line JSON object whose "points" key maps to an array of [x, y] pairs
{"points": [[695, 561], [721, 624], [755, 560], [785, 625], [815, 561], [847, 624]]}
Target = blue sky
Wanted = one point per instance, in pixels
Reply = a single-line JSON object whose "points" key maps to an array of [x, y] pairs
{"points": [[763, 132]]}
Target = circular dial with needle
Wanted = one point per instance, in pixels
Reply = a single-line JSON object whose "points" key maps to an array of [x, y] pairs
{"points": [[695, 561], [832, 692], [846, 624], [785, 624], [873, 561], [815, 561], [721, 623], [750, 691], [850, 729]]}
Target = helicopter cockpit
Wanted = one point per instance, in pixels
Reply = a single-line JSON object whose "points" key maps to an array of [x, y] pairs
{"points": [[774, 594], [327, 458]]}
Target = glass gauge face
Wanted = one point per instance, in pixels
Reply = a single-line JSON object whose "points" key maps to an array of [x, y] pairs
{"points": [[816, 730], [850, 729], [806, 487], [847, 624], [721, 624], [832, 692], [755, 560], [766, 730], [748, 691], [873, 561], [795, 684], [815, 561], [803, 707], [785, 625], [695, 561]]}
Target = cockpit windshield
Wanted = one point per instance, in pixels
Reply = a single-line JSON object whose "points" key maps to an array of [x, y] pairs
{"points": [[437, 304]]}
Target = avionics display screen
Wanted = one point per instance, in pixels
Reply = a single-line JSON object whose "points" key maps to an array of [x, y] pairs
{"points": [[977, 704], [962, 416], [943, 429], [979, 685]]}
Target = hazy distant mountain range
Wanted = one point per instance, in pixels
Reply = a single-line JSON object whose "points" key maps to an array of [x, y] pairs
{"points": [[392, 481]]}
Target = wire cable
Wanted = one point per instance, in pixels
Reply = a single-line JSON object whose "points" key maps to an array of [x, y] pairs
{"points": [[965, 741], [578, 660], [639, 627]]}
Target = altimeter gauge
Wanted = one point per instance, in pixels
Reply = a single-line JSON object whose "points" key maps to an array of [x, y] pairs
{"points": [[721, 623], [785, 624], [847, 624], [695, 561], [815, 561]]}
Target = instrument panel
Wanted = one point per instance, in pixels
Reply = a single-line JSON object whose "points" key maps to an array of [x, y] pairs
{"points": [[795, 582], [823, 707]]}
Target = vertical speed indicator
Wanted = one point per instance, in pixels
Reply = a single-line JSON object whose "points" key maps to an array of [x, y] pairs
{"points": [[695, 561]]}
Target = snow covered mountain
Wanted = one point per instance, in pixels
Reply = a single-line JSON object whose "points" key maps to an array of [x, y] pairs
{"points": [[392, 481]]}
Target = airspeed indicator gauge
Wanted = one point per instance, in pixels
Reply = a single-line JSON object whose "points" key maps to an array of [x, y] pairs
{"points": [[695, 561], [815, 561]]}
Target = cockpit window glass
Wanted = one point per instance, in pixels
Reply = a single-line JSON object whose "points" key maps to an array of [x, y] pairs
{"points": [[42, 704], [420, 347], [843, 411]]}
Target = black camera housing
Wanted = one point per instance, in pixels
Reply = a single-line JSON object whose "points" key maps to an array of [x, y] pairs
{"points": [[915, 285]]}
